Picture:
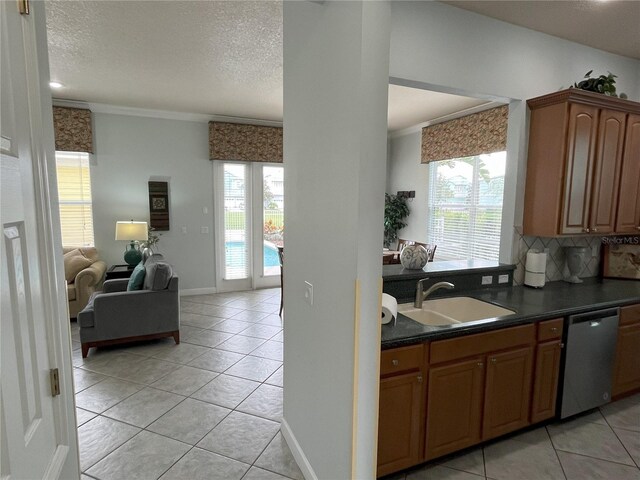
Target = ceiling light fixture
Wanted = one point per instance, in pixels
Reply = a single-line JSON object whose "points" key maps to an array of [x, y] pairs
{"points": [[55, 84]]}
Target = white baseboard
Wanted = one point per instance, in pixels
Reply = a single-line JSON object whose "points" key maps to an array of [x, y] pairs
{"points": [[296, 451], [198, 291]]}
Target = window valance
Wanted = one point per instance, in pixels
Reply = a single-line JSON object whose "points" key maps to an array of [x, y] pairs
{"points": [[249, 143], [73, 128], [476, 134]]}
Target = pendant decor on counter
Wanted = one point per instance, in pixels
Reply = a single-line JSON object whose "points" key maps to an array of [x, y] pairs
{"points": [[414, 257], [575, 261]]}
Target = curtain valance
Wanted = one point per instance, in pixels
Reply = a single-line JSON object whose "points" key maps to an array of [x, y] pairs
{"points": [[476, 134], [73, 128], [249, 143]]}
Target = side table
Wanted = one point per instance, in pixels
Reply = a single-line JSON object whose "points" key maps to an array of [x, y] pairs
{"points": [[118, 271]]}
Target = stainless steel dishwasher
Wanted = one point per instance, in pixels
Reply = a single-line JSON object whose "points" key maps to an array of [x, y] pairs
{"points": [[588, 369]]}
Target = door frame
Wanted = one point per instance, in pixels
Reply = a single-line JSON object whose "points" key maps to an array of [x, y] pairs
{"points": [[254, 220], [65, 463]]}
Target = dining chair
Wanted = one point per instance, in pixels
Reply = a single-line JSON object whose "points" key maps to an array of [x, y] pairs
{"points": [[281, 258]]}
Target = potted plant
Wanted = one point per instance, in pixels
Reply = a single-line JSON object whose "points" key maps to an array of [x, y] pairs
{"points": [[604, 84], [395, 211]]}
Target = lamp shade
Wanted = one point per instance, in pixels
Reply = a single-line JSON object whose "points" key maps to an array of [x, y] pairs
{"points": [[131, 230]]}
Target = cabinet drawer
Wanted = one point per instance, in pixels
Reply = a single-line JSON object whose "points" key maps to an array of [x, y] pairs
{"points": [[402, 359], [550, 329], [630, 314], [481, 343]]}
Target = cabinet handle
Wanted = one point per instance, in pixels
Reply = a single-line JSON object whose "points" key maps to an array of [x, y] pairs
{"points": [[480, 364], [395, 363], [585, 230], [494, 360], [554, 329], [419, 378], [638, 228], [561, 345], [595, 230]]}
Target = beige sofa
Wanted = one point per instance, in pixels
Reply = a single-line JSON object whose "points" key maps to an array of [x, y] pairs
{"points": [[86, 281]]}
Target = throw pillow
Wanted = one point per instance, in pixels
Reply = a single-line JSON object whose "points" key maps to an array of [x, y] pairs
{"points": [[74, 263], [137, 278], [158, 276]]}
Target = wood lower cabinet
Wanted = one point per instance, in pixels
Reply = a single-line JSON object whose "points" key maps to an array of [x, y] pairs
{"points": [[545, 388], [399, 427], [454, 406], [481, 396], [507, 394], [401, 411], [626, 376]]}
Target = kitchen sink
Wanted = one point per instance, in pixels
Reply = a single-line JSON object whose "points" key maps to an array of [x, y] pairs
{"points": [[453, 311]]}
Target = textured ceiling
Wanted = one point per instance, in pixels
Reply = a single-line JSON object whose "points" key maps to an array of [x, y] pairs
{"points": [[207, 57], [225, 57], [612, 26]]}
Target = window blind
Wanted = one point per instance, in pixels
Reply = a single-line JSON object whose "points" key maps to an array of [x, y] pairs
{"points": [[465, 206], [74, 195], [235, 222]]}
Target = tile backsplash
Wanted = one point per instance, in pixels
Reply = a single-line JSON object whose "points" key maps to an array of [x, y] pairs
{"points": [[556, 268]]}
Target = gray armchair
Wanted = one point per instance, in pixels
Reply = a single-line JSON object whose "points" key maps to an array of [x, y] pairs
{"points": [[116, 315]]}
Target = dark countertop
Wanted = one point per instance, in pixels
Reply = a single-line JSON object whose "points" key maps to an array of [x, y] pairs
{"points": [[556, 299], [436, 269]]}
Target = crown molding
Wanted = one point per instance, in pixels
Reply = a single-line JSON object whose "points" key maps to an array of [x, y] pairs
{"points": [[162, 114], [445, 118]]}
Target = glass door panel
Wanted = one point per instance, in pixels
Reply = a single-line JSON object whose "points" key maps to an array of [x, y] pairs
{"points": [[272, 218], [236, 246]]}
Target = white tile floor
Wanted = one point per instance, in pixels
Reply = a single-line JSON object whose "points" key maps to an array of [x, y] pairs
{"points": [[600, 445], [209, 408]]}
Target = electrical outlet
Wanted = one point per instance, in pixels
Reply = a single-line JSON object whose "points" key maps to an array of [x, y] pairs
{"points": [[595, 250], [487, 280], [308, 293], [184, 229], [204, 229], [503, 279]]}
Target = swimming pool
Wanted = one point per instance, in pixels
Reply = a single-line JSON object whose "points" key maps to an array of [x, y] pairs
{"points": [[235, 254]]}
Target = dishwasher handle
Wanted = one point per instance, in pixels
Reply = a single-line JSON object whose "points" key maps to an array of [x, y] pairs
{"points": [[595, 318]]}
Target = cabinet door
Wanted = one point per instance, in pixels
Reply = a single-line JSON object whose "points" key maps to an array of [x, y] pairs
{"points": [[626, 377], [628, 220], [581, 153], [606, 177], [454, 407], [545, 388], [507, 392], [399, 424]]}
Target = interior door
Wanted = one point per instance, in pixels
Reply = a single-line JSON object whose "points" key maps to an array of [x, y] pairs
{"points": [[38, 434]]}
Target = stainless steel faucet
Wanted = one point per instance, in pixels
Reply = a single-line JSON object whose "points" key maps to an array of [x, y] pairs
{"points": [[421, 295]]}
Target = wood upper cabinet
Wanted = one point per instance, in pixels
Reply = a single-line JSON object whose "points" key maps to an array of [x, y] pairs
{"points": [[628, 220], [507, 392], [581, 149], [626, 376], [454, 412], [402, 404], [577, 142]]}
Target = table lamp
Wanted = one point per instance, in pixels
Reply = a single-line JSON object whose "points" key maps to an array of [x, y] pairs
{"points": [[132, 232]]}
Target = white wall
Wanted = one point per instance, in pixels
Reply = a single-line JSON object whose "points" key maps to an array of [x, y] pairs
{"points": [[406, 173], [439, 47], [335, 106], [130, 151]]}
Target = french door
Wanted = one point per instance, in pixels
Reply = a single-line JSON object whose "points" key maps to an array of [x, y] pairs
{"points": [[249, 208]]}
